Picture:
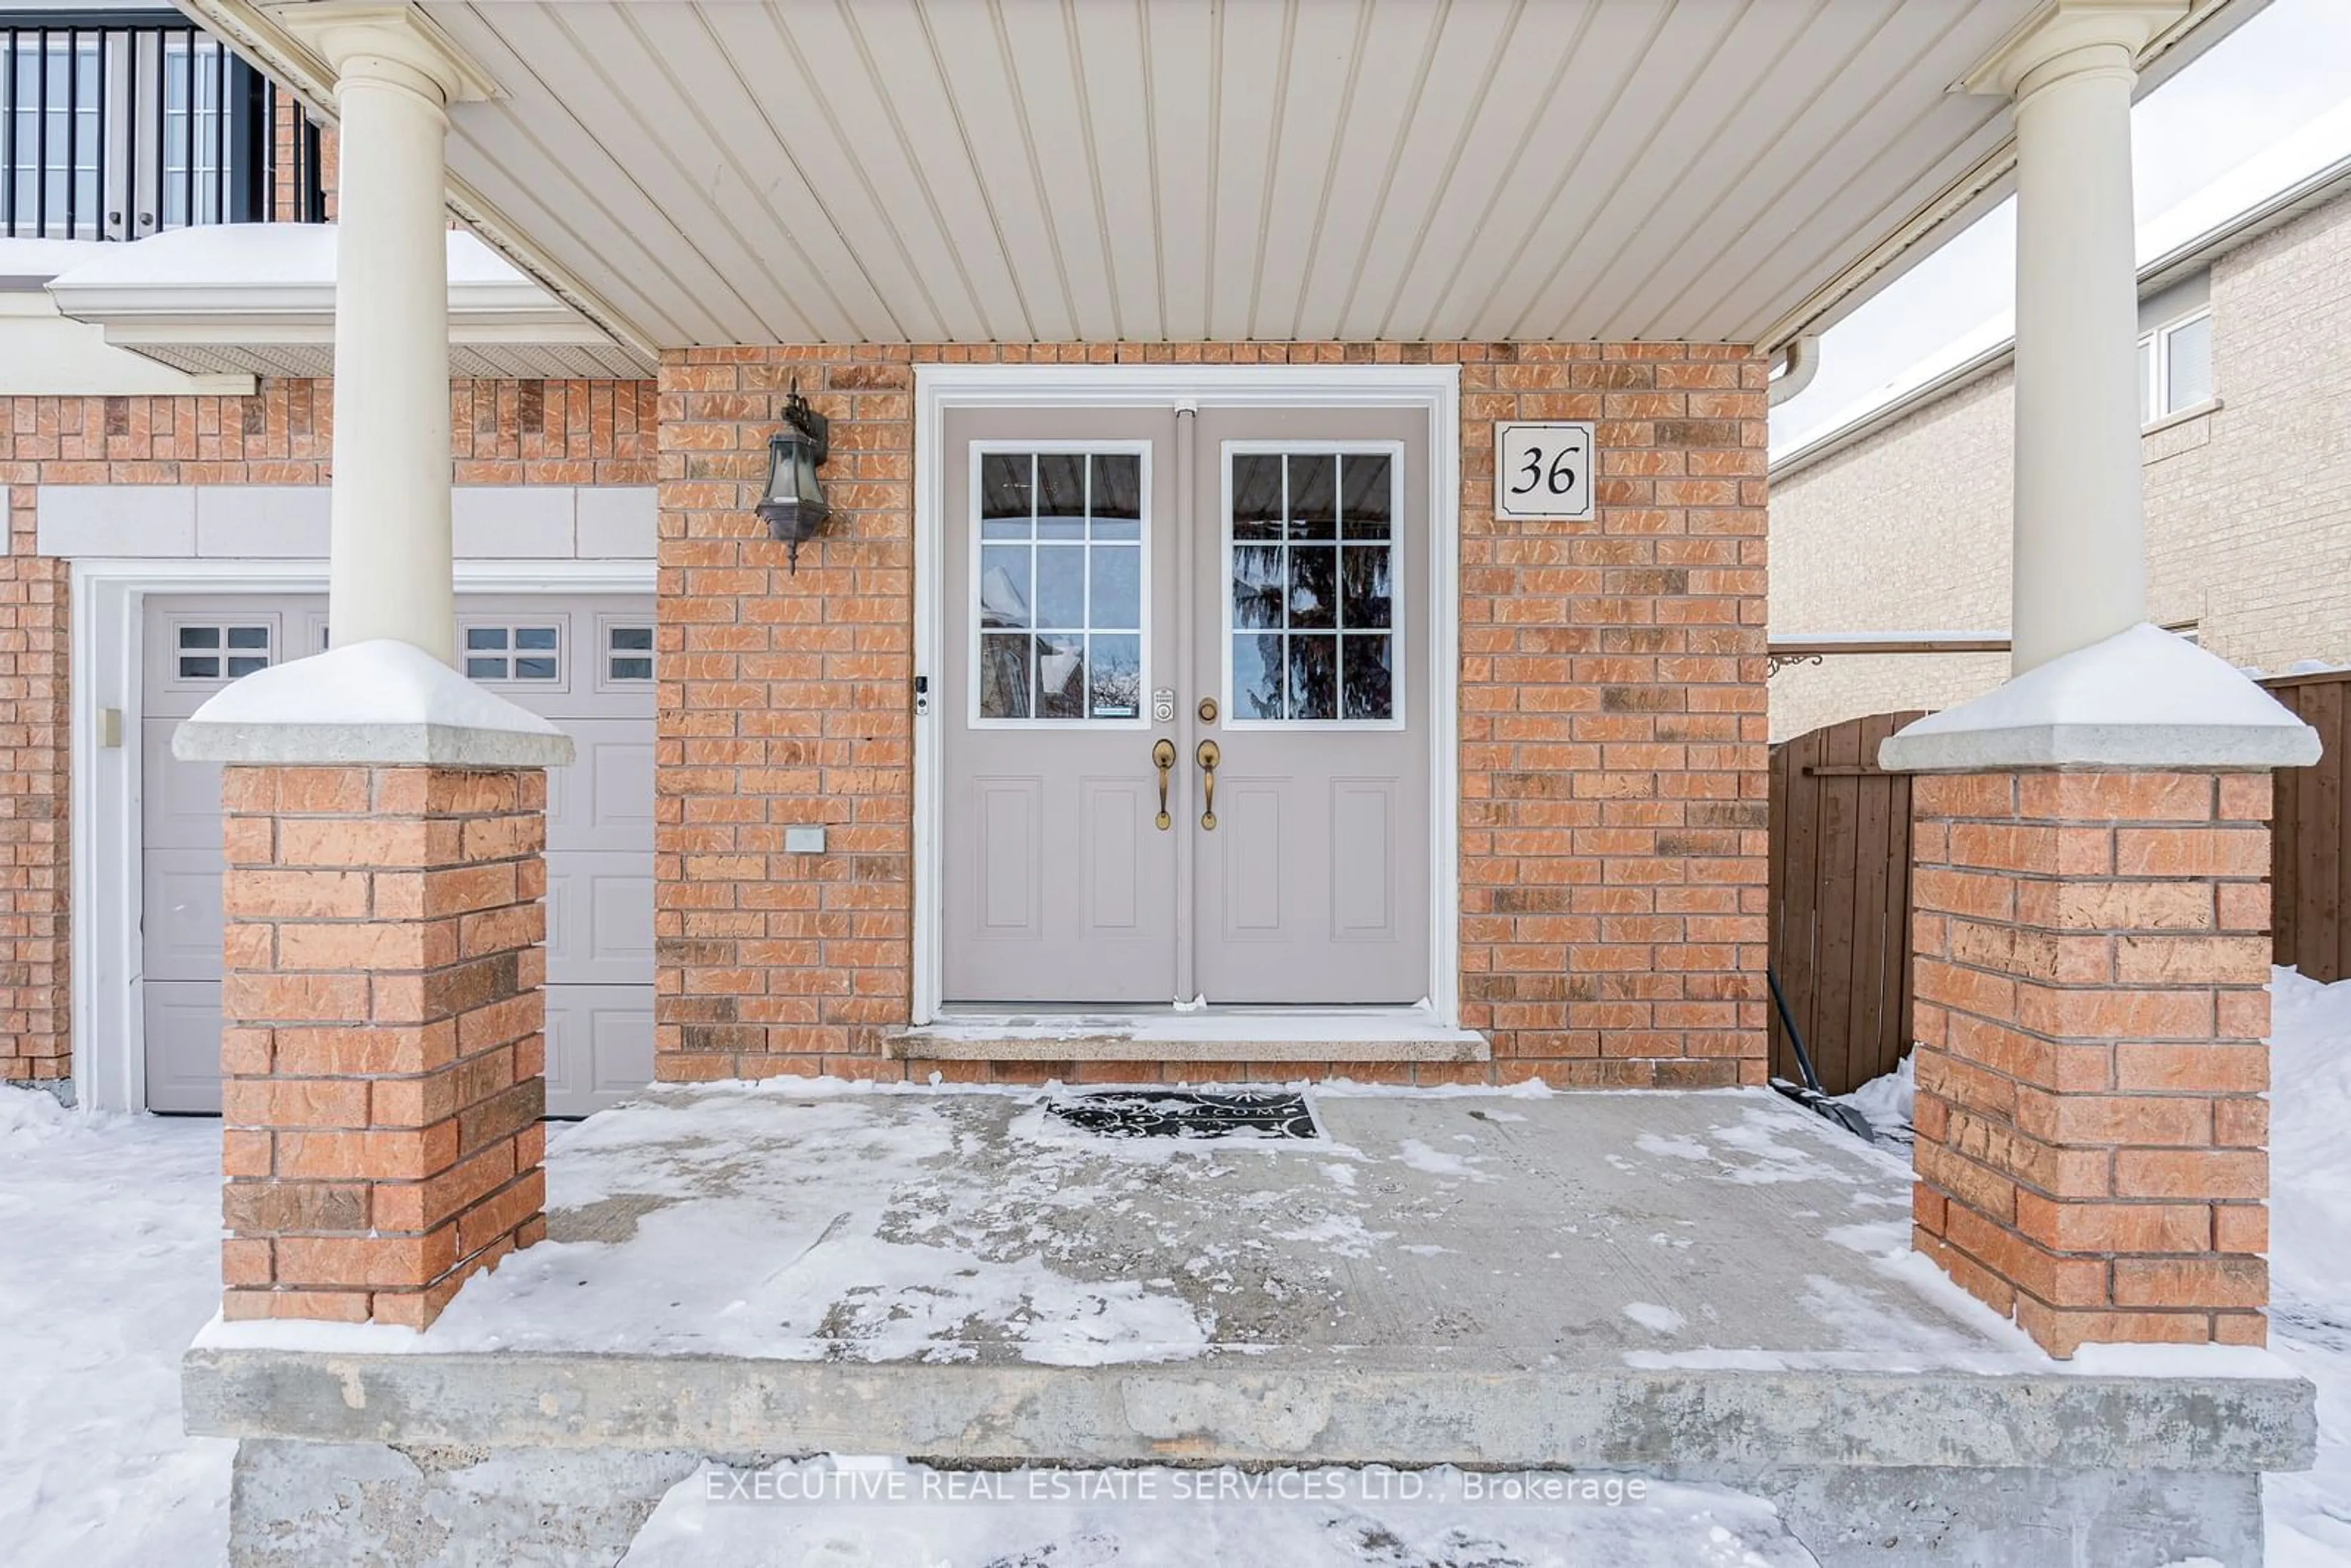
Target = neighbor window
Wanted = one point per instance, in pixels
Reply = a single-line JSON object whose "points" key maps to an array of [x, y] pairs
{"points": [[2174, 366]]}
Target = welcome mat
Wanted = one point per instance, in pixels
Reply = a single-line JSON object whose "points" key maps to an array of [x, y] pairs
{"points": [[1189, 1112]]}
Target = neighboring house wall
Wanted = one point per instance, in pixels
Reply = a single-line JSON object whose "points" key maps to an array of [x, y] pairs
{"points": [[1614, 796], [2248, 507], [1906, 532], [574, 434]]}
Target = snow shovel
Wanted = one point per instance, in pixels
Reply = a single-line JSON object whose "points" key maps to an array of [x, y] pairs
{"points": [[1808, 1094]]}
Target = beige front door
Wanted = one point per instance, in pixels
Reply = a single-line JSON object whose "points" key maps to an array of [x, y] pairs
{"points": [[1185, 748]]}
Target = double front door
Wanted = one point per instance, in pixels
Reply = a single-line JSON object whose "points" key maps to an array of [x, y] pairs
{"points": [[1184, 696]]}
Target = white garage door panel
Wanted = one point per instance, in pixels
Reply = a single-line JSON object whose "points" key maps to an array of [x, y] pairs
{"points": [[604, 800], [186, 1013], [600, 918], [607, 1032], [182, 798], [180, 902], [599, 829]]}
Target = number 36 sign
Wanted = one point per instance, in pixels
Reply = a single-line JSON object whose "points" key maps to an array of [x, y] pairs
{"points": [[1543, 470]]}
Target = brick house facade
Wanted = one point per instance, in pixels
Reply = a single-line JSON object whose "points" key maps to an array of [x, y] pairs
{"points": [[503, 433], [1611, 821], [1595, 786], [1611, 757]]}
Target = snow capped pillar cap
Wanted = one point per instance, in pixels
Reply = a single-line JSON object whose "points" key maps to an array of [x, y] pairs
{"points": [[2142, 698], [383, 702]]}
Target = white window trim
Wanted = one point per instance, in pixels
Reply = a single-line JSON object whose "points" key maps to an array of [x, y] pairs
{"points": [[973, 718], [107, 634], [1435, 389], [2154, 343]]}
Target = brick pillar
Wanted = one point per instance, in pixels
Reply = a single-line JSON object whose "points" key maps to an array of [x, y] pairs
{"points": [[382, 1046], [2092, 1019]]}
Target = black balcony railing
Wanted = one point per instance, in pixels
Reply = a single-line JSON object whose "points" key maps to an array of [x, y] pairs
{"points": [[121, 124]]}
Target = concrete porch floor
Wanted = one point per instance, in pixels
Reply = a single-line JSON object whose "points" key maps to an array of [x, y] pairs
{"points": [[1700, 1286]]}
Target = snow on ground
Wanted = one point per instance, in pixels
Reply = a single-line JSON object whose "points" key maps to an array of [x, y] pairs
{"points": [[2309, 1514], [109, 1262], [109, 1267], [1191, 1518]]}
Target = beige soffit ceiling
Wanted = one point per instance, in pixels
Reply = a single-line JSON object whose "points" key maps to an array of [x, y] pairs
{"points": [[740, 171]]}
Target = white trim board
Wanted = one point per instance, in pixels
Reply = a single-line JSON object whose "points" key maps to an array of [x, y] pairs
{"points": [[107, 624], [1435, 389], [232, 523]]}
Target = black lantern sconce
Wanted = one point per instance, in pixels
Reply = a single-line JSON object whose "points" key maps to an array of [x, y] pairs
{"points": [[794, 505]]}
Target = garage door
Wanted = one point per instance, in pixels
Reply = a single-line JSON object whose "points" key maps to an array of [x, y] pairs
{"points": [[585, 662]]}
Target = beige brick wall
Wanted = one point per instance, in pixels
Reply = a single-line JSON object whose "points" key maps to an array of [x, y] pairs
{"points": [[2249, 508]]}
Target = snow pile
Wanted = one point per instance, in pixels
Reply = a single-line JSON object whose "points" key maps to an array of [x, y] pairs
{"points": [[2309, 1256], [109, 1266], [908, 1515], [1888, 1101], [2085, 706]]}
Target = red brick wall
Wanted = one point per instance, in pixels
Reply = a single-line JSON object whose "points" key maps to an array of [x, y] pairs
{"points": [[1613, 783], [35, 988], [2092, 958], [1614, 792], [382, 1047], [502, 433]]}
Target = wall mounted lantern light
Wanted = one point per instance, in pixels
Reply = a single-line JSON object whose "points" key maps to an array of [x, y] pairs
{"points": [[794, 505]]}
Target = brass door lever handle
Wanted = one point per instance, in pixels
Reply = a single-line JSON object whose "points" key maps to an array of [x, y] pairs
{"points": [[1162, 757], [1207, 757]]}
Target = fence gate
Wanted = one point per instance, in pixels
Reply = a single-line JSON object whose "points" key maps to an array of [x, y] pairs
{"points": [[1840, 901], [2310, 844]]}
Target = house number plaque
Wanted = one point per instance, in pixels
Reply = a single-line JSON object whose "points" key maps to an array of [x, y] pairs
{"points": [[1543, 470]]}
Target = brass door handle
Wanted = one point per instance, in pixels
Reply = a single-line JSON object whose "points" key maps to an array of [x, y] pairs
{"points": [[1162, 757], [1207, 757]]}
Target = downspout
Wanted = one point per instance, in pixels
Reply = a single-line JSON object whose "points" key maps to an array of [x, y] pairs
{"points": [[1800, 361]]}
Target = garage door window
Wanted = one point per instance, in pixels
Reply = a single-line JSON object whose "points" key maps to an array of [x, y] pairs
{"points": [[513, 653], [628, 653], [214, 652]]}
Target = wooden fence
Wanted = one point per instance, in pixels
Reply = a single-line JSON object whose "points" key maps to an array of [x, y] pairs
{"points": [[1840, 935], [2310, 847]]}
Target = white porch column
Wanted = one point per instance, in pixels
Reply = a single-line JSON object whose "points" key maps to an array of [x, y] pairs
{"points": [[2079, 573], [390, 552]]}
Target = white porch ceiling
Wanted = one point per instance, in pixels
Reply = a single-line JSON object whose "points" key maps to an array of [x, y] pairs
{"points": [[740, 171]]}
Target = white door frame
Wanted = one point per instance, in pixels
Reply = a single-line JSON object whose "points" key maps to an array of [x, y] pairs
{"points": [[1436, 389], [108, 614]]}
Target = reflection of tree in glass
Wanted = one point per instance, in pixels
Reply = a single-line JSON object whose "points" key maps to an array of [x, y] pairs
{"points": [[1256, 676], [1116, 667]]}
